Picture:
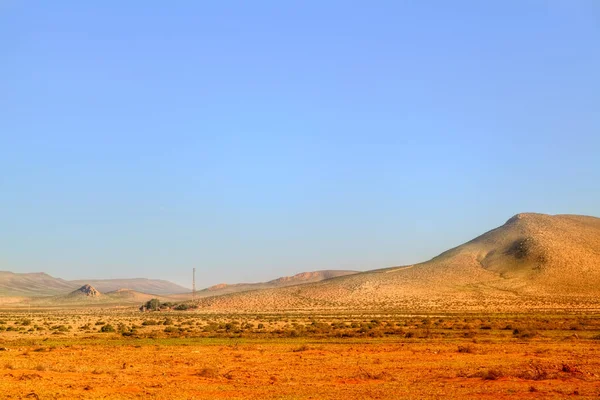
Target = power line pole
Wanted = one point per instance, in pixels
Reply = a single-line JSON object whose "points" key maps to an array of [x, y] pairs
{"points": [[194, 284]]}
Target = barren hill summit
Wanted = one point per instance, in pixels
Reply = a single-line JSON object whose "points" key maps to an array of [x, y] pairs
{"points": [[563, 251], [533, 261], [85, 291]]}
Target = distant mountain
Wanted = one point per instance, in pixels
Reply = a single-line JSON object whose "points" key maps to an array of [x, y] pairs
{"points": [[131, 296], [32, 285], [298, 279], [152, 286], [533, 261], [39, 284]]}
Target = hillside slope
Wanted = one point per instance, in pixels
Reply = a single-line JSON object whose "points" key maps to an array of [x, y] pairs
{"points": [[132, 297], [533, 261], [32, 284]]}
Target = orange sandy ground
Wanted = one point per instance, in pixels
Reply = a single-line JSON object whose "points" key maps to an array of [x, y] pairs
{"points": [[300, 369]]}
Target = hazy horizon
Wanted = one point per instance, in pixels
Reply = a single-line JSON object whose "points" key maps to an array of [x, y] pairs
{"points": [[264, 140]]}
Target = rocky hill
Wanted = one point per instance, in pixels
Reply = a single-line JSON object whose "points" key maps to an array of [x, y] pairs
{"points": [[86, 293]]}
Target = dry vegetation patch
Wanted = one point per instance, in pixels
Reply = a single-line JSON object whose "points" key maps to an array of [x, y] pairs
{"points": [[297, 355]]}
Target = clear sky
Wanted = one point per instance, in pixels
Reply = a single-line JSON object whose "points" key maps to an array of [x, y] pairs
{"points": [[258, 139]]}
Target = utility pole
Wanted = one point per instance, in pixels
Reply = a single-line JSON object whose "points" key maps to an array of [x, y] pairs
{"points": [[194, 284]]}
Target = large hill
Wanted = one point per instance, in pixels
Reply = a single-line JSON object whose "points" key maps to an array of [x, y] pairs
{"points": [[533, 261]]}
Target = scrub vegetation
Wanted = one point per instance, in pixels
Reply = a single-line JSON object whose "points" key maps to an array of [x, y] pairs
{"points": [[187, 354]]}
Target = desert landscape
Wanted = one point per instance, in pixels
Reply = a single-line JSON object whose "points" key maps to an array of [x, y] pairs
{"points": [[300, 200], [514, 313]]}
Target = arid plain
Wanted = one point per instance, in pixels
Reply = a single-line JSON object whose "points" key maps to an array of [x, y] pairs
{"points": [[187, 355], [513, 313]]}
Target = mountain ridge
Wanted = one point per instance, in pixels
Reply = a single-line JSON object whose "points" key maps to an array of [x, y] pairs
{"points": [[144, 285], [284, 281], [41, 284]]}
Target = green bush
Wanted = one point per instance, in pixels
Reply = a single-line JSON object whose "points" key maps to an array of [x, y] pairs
{"points": [[152, 304]]}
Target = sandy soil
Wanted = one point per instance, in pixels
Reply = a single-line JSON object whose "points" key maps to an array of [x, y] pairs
{"points": [[435, 362]]}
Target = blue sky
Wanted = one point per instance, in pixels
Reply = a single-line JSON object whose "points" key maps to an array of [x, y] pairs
{"points": [[253, 140]]}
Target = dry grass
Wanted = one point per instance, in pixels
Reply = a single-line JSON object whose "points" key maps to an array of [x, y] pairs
{"points": [[328, 356]]}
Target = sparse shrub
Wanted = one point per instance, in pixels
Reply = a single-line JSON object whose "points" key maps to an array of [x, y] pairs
{"points": [[60, 328], [294, 333], [492, 374], [466, 349], [367, 375], [535, 372], [569, 368], [375, 334], [107, 328], [525, 333], [208, 372], [304, 347], [470, 334]]}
